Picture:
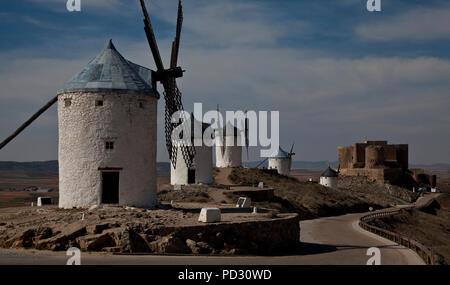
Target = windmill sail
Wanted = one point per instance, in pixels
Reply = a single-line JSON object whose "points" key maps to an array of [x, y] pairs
{"points": [[28, 122], [172, 94]]}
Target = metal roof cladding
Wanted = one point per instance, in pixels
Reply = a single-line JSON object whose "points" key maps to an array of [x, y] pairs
{"points": [[329, 173], [110, 71], [280, 154]]}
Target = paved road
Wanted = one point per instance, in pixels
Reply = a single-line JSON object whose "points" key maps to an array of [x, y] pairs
{"points": [[333, 240]]}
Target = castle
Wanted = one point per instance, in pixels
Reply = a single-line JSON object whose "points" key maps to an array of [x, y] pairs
{"points": [[383, 162]]}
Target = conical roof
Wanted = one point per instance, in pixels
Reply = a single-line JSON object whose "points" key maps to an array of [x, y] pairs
{"points": [[110, 71], [280, 154], [329, 172]]}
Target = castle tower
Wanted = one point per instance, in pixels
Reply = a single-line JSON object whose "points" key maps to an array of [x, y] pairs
{"points": [[107, 116], [202, 168], [281, 161], [229, 152]]}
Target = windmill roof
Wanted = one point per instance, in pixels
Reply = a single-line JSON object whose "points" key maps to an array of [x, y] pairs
{"points": [[280, 153], [329, 172], [110, 71]]}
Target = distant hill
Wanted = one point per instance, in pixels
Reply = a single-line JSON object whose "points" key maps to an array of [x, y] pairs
{"points": [[297, 164], [48, 168]]}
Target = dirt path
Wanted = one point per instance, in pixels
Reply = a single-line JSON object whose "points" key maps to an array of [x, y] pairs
{"points": [[221, 177]]}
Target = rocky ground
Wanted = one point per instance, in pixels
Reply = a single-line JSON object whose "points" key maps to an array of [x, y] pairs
{"points": [[311, 200], [119, 229]]}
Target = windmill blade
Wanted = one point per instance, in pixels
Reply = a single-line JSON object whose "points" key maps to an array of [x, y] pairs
{"points": [[246, 132], [151, 39], [290, 155], [221, 131], [172, 94], [29, 121], [176, 41]]}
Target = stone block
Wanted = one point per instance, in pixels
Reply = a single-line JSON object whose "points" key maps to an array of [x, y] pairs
{"points": [[44, 201], [244, 202], [209, 215]]}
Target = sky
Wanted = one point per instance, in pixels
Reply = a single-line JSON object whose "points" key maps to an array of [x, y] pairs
{"points": [[337, 73]]}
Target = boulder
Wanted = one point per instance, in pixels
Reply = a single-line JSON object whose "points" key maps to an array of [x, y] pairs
{"points": [[96, 242], [169, 244]]}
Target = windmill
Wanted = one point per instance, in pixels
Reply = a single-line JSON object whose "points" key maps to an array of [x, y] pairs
{"points": [[172, 94]]}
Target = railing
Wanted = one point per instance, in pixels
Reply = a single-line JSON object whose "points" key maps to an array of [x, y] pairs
{"points": [[425, 253]]}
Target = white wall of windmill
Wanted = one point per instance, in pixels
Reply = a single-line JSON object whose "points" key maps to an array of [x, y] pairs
{"points": [[84, 129], [282, 165], [203, 166], [331, 182], [226, 155]]}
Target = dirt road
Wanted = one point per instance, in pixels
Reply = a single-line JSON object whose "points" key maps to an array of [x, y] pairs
{"points": [[333, 240]]}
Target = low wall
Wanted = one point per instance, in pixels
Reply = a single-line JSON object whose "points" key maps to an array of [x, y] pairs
{"points": [[269, 237]]}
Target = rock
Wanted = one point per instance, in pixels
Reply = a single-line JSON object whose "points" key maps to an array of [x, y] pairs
{"points": [[169, 244], [205, 248], [193, 246], [93, 207], [96, 242], [112, 249], [97, 228], [62, 240], [130, 241], [23, 239], [42, 233]]}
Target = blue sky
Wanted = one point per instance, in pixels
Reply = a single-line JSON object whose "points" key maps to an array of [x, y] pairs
{"points": [[337, 73]]}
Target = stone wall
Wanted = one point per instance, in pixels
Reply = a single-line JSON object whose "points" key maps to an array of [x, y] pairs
{"points": [[276, 236]]}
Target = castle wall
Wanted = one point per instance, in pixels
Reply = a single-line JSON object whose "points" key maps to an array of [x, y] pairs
{"points": [[84, 128], [359, 155], [345, 156], [374, 156]]}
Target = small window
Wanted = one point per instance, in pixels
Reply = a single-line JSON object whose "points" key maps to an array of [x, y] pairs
{"points": [[141, 104], [67, 102], [109, 145], [99, 103]]}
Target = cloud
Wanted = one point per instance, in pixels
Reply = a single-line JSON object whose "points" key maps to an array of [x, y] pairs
{"points": [[236, 57], [417, 24]]}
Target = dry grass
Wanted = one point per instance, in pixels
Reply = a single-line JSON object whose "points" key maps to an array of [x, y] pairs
{"points": [[430, 225], [312, 200]]}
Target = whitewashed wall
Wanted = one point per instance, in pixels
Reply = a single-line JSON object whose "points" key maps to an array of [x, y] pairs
{"points": [[331, 182], [202, 163], [231, 156], [280, 164], [83, 130]]}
